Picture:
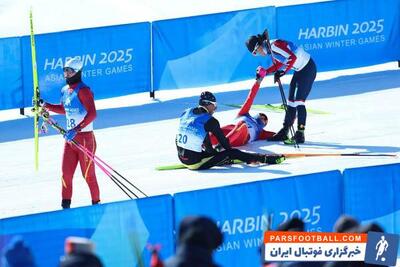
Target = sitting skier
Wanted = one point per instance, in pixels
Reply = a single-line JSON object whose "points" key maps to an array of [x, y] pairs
{"points": [[193, 141]]}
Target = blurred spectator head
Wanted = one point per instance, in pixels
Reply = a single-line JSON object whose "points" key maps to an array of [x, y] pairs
{"points": [[198, 237], [200, 231], [346, 224], [374, 227], [75, 244], [79, 252], [18, 254], [292, 225]]}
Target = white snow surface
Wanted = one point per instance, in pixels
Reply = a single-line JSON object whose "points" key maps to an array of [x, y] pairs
{"points": [[363, 117], [56, 15]]}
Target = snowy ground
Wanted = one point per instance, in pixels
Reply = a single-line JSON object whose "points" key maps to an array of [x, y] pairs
{"points": [[136, 134], [54, 16]]}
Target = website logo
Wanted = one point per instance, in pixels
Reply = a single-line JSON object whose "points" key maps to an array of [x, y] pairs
{"points": [[314, 246], [382, 248]]}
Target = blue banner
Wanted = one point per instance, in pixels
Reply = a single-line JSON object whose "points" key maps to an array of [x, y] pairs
{"points": [[11, 95], [371, 194], [120, 231], [116, 60], [344, 34], [207, 50], [245, 211]]}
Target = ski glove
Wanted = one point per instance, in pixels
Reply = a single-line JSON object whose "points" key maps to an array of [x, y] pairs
{"points": [[70, 134], [260, 73], [40, 102], [278, 74]]}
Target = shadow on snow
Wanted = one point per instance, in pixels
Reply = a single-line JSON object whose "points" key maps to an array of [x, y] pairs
{"points": [[156, 111]]}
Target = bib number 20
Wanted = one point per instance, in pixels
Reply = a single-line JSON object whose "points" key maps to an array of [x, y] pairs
{"points": [[182, 138]]}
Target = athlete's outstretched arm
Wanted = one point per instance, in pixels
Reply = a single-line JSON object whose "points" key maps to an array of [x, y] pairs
{"points": [[274, 67], [56, 108], [250, 99]]}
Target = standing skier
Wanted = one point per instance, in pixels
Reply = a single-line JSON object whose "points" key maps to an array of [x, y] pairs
{"points": [[288, 55], [77, 103], [193, 141], [247, 128]]}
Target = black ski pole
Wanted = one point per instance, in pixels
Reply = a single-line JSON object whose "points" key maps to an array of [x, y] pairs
{"points": [[292, 132], [95, 159], [120, 175], [112, 177]]}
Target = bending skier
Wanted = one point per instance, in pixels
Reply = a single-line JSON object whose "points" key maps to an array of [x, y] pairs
{"points": [[77, 104], [193, 141], [247, 128], [288, 55]]}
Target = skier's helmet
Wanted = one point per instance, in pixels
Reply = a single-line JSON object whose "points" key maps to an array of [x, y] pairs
{"points": [[207, 98], [261, 120], [253, 43], [74, 64]]}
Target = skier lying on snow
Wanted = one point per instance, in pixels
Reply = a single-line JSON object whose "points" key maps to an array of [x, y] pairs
{"points": [[247, 128], [193, 141]]}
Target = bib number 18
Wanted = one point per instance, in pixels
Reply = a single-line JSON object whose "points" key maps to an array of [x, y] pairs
{"points": [[71, 123]]}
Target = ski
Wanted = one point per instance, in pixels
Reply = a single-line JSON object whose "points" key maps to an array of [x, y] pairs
{"points": [[357, 154], [278, 108], [36, 93], [179, 166]]}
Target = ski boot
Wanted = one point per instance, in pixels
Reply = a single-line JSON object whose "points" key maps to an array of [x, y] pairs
{"points": [[95, 202], [66, 203], [282, 135], [298, 137], [272, 159]]}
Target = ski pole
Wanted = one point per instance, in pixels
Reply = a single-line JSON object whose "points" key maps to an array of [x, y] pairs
{"points": [[55, 125], [108, 166], [282, 92], [300, 155], [112, 177]]}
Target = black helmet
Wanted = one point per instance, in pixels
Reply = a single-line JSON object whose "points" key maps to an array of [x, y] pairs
{"points": [[207, 98], [253, 41], [200, 231]]}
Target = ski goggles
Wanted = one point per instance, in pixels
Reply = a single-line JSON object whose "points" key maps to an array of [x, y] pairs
{"points": [[68, 69], [255, 49], [210, 102]]}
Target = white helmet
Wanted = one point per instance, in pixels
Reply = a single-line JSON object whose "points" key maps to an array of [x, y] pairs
{"points": [[74, 63]]}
